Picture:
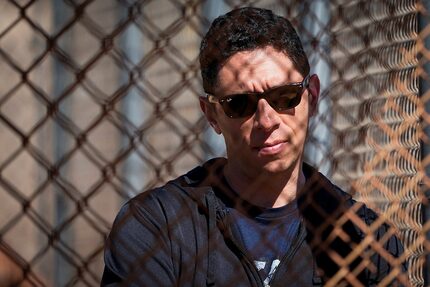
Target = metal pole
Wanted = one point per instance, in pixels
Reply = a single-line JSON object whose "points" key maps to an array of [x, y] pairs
{"points": [[424, 90], [63, 271], [321, 122], [134, 168], [211, 10]]}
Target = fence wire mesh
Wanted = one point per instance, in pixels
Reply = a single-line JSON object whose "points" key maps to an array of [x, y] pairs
{"points": [[99, 102]]}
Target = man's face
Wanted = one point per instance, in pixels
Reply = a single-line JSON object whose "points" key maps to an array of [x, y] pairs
{"points": [[267, 141]]}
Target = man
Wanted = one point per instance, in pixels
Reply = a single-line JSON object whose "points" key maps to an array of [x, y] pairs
{"points": [[261, 217]]}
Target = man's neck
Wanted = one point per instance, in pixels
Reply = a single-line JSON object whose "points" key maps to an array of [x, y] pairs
{"points": [[267, 189]]}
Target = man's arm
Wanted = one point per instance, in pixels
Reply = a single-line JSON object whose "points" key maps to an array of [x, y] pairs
{"points": [[137, 249]]}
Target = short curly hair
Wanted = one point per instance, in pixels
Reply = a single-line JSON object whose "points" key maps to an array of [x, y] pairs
{"points": [[247, 29]]}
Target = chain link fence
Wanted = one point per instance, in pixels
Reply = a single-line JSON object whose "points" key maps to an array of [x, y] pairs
{"points": [[99, 102]]}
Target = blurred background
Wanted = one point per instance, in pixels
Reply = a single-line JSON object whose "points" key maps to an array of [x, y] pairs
{"points": [[99, 102]]}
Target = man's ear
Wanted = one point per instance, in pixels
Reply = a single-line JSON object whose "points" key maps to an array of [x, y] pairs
{"points": [[209, 110], [314, 93]]}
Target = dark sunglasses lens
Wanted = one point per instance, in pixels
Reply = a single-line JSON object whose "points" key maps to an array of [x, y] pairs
{"points": [[285, 98], [238, 106]]}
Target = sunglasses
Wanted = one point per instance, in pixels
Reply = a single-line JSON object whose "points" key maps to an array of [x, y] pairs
{"points": [[280, 98]]}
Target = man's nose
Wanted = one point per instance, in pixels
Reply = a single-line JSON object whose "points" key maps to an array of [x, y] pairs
{"points": [[266, 118]]}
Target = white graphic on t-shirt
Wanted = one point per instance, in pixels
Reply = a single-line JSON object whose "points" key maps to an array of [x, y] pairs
{"points": [[261, 264]]}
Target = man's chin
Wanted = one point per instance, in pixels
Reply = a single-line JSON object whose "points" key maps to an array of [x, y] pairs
{"points": [[278, 166]]}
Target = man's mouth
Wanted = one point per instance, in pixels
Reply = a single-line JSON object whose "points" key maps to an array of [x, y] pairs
{"points": [[271, 148]]}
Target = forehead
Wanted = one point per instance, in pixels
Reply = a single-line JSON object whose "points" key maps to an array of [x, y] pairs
{"points": [[256, 70]]}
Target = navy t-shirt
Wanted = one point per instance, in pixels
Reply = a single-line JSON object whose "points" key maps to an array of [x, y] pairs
{"points": [[266, 234]]}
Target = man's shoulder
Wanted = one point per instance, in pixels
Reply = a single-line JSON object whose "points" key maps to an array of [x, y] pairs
{"points": [[330, 197], [194, 184]]}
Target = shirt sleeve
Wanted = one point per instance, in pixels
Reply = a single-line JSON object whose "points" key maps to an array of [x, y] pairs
{"points": [[388, 259], [137, 249]]}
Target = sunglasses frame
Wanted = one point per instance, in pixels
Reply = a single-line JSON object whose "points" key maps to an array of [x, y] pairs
{"points": [[302, 85]]}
